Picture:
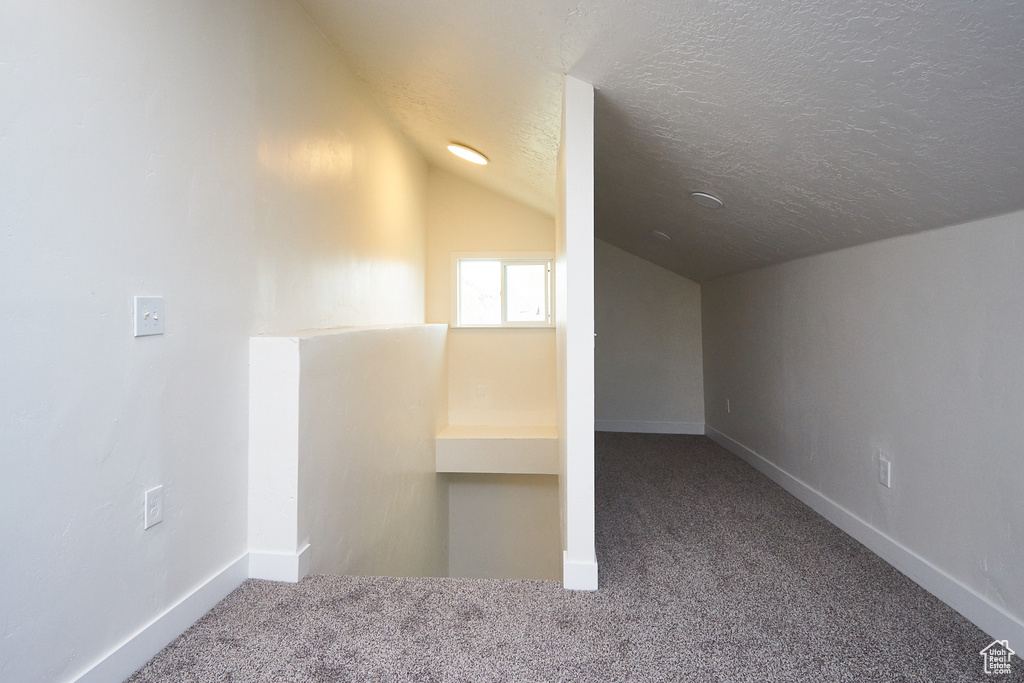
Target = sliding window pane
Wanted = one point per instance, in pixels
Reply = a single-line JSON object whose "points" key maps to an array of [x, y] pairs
{"points": [[479, 292], [527, 286]]}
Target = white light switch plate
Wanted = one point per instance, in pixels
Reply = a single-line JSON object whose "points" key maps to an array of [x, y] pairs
{"points": [[154, 506], [149, 315]]}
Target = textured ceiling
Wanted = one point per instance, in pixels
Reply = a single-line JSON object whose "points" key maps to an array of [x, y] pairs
{"points": [[821, 124], [482, 72]]}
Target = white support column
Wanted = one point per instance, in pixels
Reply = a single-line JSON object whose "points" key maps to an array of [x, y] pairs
{"points": [[275, 551], [574, 321]]}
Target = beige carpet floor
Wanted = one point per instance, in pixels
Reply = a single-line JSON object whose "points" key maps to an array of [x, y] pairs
{"points": [[709, 572]]}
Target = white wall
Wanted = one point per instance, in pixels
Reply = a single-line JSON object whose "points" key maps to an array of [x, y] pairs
{"points": [[341, 453], [911, 347], [371, 402], [574, 322], [648, 370], [496, 376], [219, 155], [504, 526]]}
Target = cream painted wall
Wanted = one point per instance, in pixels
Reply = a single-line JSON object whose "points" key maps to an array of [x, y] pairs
{"points": [[219, 155], [648, 370], [504, 526], [371, 401], [910, 347], [341, 229], [341, 453], [496, 377]]}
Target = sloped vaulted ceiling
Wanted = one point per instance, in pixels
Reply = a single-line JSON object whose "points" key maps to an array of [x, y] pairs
{"points": [[820, 123]]}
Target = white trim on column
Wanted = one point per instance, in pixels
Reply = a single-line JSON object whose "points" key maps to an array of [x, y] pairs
{"points": [[287, 567], [972, 605], [579, 576]]}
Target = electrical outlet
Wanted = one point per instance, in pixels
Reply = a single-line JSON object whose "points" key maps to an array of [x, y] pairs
{"points": [[148, 315], [884, 471], [728, 406], [154, 510]]}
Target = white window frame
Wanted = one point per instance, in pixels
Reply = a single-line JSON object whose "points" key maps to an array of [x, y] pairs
{"points": [[506, 257]]}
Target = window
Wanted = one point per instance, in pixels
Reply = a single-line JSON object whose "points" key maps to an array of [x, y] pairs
{"points": [[506, 290]]}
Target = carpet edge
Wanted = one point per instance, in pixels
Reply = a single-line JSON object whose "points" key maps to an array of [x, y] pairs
{"points": [[973, 606], [648, 427], [125, 659]]}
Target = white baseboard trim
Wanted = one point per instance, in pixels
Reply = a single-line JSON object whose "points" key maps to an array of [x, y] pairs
{"points": [[126, 658], [648, 427], [975, 607], [288, 567], [579, 576]]}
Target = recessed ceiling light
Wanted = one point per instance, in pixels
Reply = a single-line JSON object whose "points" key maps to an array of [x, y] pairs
{"points": [[659, 235], [708, 200], [467, 153]]}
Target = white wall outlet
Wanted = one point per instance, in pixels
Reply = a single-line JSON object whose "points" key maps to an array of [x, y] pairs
{"points": [[884, 471], [728, 406], [148, 315], [154, 502]]}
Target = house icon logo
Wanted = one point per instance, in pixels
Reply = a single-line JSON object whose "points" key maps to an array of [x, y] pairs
{"points": [[997, 657]]}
